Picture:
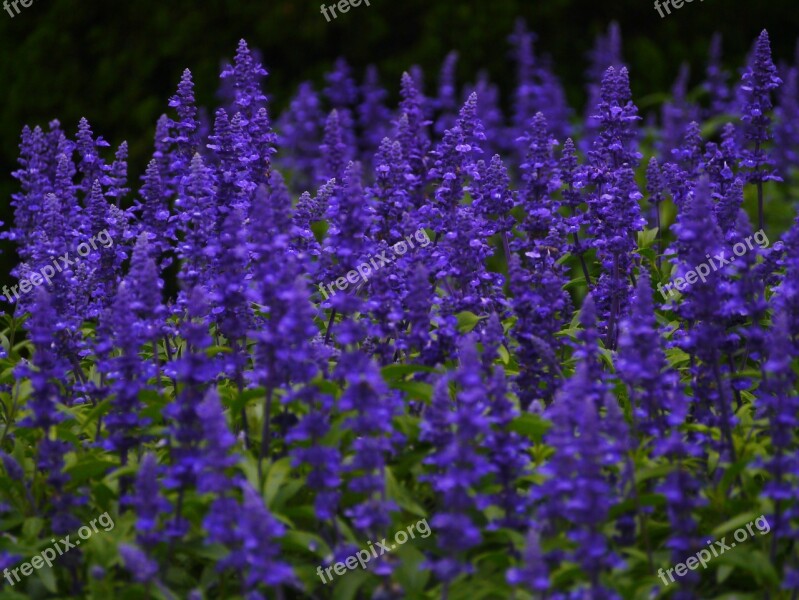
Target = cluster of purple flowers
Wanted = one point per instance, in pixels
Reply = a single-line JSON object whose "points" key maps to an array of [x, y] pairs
{"points": [[246, 423]]}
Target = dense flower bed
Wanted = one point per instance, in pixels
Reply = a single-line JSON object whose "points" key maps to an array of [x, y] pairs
{"points": [[436, 315]]}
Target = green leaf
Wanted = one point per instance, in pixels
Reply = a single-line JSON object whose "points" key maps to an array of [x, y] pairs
{"points": [[240, 400], [286, 493], [723, 572], [471, 589], [416, 390], [89, 423], [217, 350], [504, 354], [530, 425], [278, 471], [677, 357], [631, 504], [89, 468], [213, 552], [399, 371], [731, 474], [467, 321], [306, 542], [397, 492], [647, 473], [409, 575], [754, 562], [348, 584], [647, 237], [326, 386], [735, 523], [319, 229], [32, 527], [408, 426]]}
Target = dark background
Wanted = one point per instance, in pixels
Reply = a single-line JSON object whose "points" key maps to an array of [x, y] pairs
{"points": [[117, 62]]}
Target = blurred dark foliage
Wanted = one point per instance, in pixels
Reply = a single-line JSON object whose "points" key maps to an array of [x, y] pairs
{"points": [[116, 63]]}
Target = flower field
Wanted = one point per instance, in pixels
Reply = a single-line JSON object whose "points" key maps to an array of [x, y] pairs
{"points": [[467, 345]]}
